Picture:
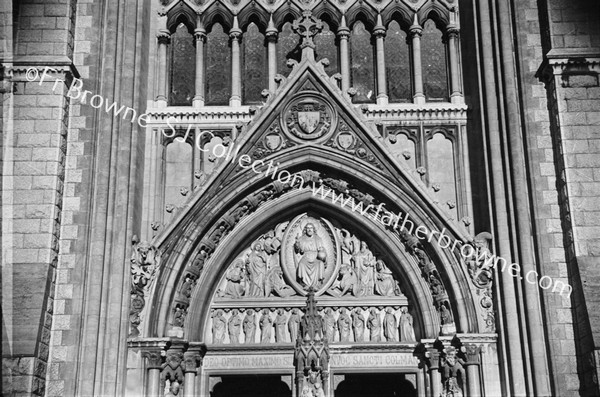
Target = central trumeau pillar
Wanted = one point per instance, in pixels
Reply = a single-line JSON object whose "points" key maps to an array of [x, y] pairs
{"points": [[312, 353]]}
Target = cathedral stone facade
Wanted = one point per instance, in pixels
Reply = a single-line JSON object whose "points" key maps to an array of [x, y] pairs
{"points": [[300, 198]]}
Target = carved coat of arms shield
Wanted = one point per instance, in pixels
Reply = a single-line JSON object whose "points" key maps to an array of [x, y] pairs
{"points": [[309, 120]]}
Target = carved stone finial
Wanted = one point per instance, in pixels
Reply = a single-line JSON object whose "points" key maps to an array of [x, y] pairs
{"points": [[307, 27], [271, 32], [235, 33], [416, 28], [379, 29]]}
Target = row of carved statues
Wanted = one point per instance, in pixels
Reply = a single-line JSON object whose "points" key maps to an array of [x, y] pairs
{"points": [[255, 326]]}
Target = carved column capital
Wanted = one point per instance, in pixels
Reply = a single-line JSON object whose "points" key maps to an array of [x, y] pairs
{"points": [[415, 30], [155, 359], [452, 31], [235, 34], [200, 35], [433, 357], [471, 352], [379, 31], [164, 37], [343, 33], [191, 361]]}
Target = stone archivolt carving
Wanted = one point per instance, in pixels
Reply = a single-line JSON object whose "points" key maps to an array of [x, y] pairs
{"points": [[144, 268]]}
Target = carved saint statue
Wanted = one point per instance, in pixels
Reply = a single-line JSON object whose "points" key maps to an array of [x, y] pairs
{"points": [[173, 389], [266, 326], [280, 322], [218, 327], [374, 325], [358, 323], [407, 332], [318, 390], [329, 324], [390, 327], [453, 373], [179, 316], [294, 325], [344, 324], [235, 277], [445, 314], [257, 271], [276, 285], [385, 285], [364, 262], [249, 326], [311, 266], [235, 326]]}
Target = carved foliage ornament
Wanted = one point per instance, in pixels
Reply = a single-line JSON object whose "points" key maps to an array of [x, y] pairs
{"points": [[143, 272]]}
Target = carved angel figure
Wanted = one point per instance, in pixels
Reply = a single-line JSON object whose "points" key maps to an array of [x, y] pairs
{"points": [[280, 322], [344, 324], [390, 327], [249, 326], [234, 287], [294, 325], [407, 333], [235, 326], [374, 325], [329, 324], [257, 270], [385, 285], [364, 262], [358, 323], [218, 327], [266, 326]]}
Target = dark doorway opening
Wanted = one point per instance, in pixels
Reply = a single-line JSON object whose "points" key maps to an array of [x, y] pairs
{"points": [[251, 386], [377, 385]]}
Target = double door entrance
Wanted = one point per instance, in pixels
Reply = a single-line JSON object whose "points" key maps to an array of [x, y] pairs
{"points": [[345, 385]]}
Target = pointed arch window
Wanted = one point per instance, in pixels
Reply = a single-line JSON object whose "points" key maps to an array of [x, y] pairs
{"points": [[218, 67], [182, 68], [362, 68], [397, 65], [255, 67], [288, 47], [326, 48], [435, 74]]}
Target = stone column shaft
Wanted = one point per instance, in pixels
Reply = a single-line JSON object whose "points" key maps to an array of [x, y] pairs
{"points": [[382, 97], [164, 39], [236, 73], [456, 95], [200, 36], [344, 35], [272, 58], [419, 95], [153, 382], [379, 34]]}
